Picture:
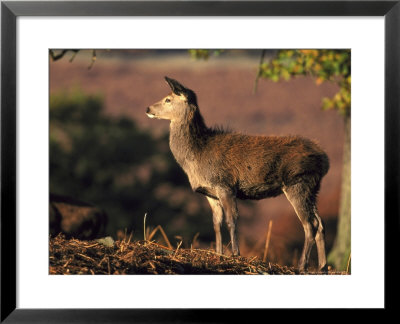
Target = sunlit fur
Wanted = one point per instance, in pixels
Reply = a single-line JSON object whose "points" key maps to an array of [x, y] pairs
{"points": [[227, 165]]}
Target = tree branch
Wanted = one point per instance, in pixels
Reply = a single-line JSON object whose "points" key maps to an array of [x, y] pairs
{"points": [[259, 71]]}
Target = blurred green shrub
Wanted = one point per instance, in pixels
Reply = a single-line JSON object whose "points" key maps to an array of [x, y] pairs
{"points": [[332, 65], [121, 168], [323, 64], [204, 53]]}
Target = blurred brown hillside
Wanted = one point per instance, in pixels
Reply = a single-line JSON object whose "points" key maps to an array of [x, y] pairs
{"points": [[129, 82]]}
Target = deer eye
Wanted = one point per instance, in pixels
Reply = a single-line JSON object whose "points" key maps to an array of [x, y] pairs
{"points": [[167, 100]]}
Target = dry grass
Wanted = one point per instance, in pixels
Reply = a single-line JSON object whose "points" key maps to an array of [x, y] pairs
{"points": [[147, 257]]}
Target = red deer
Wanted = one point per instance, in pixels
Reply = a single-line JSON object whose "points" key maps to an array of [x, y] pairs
{"points": [[225, 166], [76, 218]]}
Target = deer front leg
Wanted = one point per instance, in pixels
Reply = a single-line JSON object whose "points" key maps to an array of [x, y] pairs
{"points": [[217, 220], [228, 203]]}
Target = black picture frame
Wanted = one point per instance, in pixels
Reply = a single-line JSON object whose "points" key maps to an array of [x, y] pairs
{"points": [[10, 10]]}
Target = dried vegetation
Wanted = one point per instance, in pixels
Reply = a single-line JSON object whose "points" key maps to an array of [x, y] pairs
{"points": [[147, 257]]}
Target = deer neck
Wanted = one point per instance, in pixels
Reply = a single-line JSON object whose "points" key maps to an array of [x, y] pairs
{"points": [[187, 138]]}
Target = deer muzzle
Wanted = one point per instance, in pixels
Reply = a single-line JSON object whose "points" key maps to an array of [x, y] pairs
{"points": [[149, 113]]}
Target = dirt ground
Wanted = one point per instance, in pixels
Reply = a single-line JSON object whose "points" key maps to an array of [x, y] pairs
{"points": [[123, 257], [224, 87]]}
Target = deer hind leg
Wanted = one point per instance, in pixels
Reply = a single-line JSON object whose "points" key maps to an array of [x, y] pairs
{"points": [[320, 240], [303, 201], [228, 203], [217, 220]]}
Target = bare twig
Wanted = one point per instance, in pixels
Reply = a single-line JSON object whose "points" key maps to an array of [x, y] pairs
{"points": [[348, 264], [226, 246], [144, 226], [159, 228], [73, 56], [130, 237], [94, 57], [86, 257], [179, 245], [252, 259], [194, 241], [153, 232], [60, 55], [259, 71], [90, 246], [267, 241], [161, 246], [165, 237], [68, 262], [101, 261], [56, 57]]}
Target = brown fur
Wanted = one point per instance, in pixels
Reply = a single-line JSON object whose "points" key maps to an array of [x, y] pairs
{"points": [[75, 218], [225, 166]]}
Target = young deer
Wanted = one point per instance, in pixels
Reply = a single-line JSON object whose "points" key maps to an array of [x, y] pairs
{"points": [[225, 166]]}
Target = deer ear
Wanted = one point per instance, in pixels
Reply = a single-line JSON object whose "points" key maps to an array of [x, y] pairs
{"points": [[175, 86]]}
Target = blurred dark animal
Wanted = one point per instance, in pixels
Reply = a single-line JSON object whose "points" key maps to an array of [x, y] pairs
{"points": [[76, 218], [224, 166]]}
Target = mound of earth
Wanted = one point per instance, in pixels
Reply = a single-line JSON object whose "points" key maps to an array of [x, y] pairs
{"points": [[72, 256]]}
